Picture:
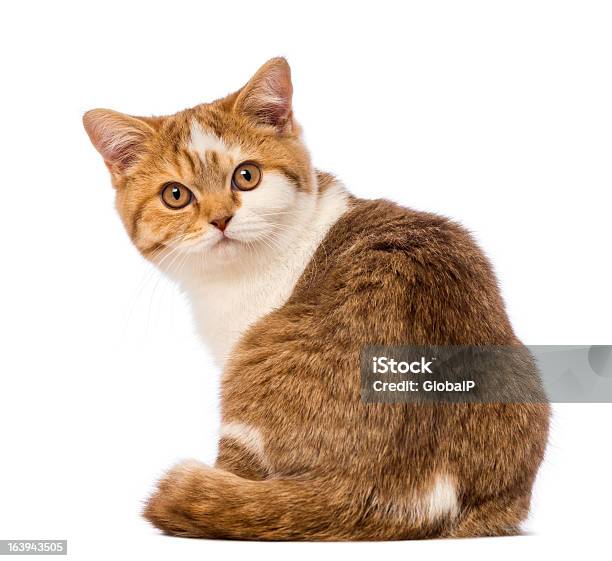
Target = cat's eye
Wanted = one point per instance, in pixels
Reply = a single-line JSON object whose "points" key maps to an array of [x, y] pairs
{"points": [[246, 176], [175, 196]]}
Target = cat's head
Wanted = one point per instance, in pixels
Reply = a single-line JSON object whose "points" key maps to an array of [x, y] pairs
{"points": [[222, 179]]}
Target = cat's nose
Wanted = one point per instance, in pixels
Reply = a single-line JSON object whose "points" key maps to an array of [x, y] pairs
{"points": [[221, 223]]}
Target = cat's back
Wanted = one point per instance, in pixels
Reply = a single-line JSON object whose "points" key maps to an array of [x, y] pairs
{"points": [[397, 275]]}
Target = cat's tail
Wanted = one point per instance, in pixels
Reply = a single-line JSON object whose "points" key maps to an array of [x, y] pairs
{"points": [[195, 500]]}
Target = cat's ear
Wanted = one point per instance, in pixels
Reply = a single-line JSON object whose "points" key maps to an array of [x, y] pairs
{"points": [[266, 98], [119, 138]]}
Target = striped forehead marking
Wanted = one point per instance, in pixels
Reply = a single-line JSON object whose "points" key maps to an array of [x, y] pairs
{"points": [[202, 142]]}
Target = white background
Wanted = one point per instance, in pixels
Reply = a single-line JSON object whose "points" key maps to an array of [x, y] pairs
{"points": [[498, 114]]}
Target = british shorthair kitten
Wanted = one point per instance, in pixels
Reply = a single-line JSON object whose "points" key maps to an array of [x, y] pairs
{"points": [[290, 277]]}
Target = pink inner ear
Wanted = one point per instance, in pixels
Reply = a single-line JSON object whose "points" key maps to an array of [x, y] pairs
{"points": [[267, 97], [122, 149], [118, 138], [275, 97]]}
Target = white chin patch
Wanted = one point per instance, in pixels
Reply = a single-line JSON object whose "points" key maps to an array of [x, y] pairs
{"points": [[206, 242], [227, 248]]}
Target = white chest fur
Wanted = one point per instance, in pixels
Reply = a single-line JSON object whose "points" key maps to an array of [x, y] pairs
{"points": [[225, 306], [226, 303]]}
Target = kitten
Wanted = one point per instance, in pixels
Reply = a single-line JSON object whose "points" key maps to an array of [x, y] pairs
{"points": [[290, 277]]}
